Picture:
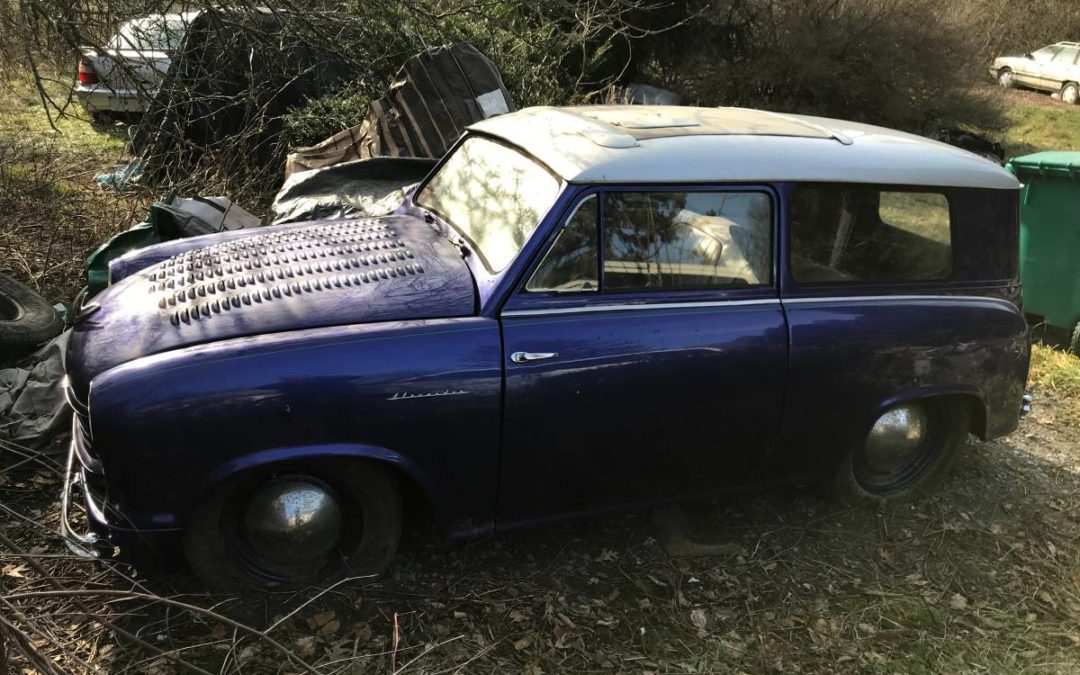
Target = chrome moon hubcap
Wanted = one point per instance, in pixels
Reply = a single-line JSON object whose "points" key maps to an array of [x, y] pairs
{"points": [[291, 522], [896, 438]]}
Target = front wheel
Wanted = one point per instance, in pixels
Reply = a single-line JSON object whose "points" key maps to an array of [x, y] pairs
{"points": [[908, 449], [1005, 78], [296, 524]]}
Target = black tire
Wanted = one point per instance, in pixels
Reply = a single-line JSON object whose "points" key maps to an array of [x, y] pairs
{"points": [[26, 320], [949, 422], [372, 523], [1074, 340], [1070, 93]]}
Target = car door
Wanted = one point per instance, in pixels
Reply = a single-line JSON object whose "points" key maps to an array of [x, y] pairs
{"points": [[1059, 69], [645, 356], [1030, 71]]}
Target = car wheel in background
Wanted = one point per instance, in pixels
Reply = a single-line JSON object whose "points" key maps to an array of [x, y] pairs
{"points": [[1005, 78], [1074, 340], [26, 320], [909, 448], [295, 525], [1070, 93]]}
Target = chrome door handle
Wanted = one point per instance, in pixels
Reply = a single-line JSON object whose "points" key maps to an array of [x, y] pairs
{"points": [[525, 357]]}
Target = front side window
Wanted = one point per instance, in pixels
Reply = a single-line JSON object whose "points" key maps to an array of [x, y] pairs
{"points": [[660, 241], [670, 240], [493, 195], [864, 233], [572, 264], [1067, 56]]}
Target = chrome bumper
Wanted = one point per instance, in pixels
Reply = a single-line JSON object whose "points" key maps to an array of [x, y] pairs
{"points": [[83, 545]]}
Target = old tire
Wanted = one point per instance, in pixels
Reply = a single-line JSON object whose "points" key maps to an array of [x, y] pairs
{"points": [[1070, 93], [26, 320], [226, 552], [862, 476], [1005, 78]]}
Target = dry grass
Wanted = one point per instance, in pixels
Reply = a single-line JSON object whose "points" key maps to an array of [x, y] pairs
{"points": [[52, 214], [1056, 373]]}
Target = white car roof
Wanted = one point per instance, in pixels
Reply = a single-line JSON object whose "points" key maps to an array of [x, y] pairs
{"points": [[652, 144]]}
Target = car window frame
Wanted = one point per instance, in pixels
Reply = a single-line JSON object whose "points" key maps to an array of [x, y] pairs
{"points": [[789, 273], [563, 221], [520, 298], [475, 250]]}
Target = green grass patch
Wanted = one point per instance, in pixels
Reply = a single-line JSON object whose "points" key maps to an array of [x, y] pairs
{"points": [[23, 119], [1056, 373], [1035, 128]]}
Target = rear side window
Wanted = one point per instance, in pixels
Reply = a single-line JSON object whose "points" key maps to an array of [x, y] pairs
{"points": [[862, 233]]}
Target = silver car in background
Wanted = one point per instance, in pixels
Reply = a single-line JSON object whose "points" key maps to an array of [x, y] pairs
{"points": [[124, 75], [1055, 68]]}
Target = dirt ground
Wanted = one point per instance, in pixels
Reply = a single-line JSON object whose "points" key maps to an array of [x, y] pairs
{"points": [[982, 576]]}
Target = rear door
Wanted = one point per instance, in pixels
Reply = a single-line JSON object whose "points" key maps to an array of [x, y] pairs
{"points": [[645, 356]]}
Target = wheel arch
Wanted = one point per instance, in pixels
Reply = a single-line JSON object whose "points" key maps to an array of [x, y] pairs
{"points": [[418, 490], [971, 398]]}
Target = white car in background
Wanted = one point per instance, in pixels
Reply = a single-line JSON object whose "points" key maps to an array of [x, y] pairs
{"points": [[124, 75], [1055, 68]]}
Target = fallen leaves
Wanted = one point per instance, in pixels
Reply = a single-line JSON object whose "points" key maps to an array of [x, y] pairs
{"points": [[700, 621], [958, 601], [324, 623]]}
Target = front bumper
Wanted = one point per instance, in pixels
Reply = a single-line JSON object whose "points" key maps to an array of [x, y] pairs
{"points": [[105, 535]]}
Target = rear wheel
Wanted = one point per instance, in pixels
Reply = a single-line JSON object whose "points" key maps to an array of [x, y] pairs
{"points": [[293, 525], [908, 449], [1070, 93]]}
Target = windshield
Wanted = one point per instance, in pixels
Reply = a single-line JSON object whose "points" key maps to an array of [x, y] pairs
{"points": [[152, 34], [493, 195]]}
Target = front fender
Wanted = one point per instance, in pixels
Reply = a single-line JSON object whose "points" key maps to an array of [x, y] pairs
{"points": [[423, 396]]}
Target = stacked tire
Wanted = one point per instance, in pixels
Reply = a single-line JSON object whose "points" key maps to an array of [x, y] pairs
{"points": [[27, 320]]}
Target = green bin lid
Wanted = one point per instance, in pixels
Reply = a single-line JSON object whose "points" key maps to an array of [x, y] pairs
{"points": [[1054, 163]]}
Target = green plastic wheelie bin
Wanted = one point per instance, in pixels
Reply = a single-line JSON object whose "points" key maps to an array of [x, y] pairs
{"points": [[1050, 238]]}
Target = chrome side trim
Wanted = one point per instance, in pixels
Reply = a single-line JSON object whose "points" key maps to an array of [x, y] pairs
{"points": [[637, 307], [735, 303], [905, 298]]}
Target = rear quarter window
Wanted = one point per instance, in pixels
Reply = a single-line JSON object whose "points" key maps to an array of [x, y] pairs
{"points": [[860, 233]]}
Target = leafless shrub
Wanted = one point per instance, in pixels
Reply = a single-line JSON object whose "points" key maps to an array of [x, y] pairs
{"points": [[51, 216]]}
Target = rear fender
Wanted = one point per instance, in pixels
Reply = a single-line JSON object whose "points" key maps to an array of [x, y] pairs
{"points": [[970, 395]]}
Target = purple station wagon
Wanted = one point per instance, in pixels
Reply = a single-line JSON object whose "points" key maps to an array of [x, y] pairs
{"points": [[579, 310]]}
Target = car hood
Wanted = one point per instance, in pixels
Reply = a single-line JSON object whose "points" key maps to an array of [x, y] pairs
{"points": [[305, 275]]}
